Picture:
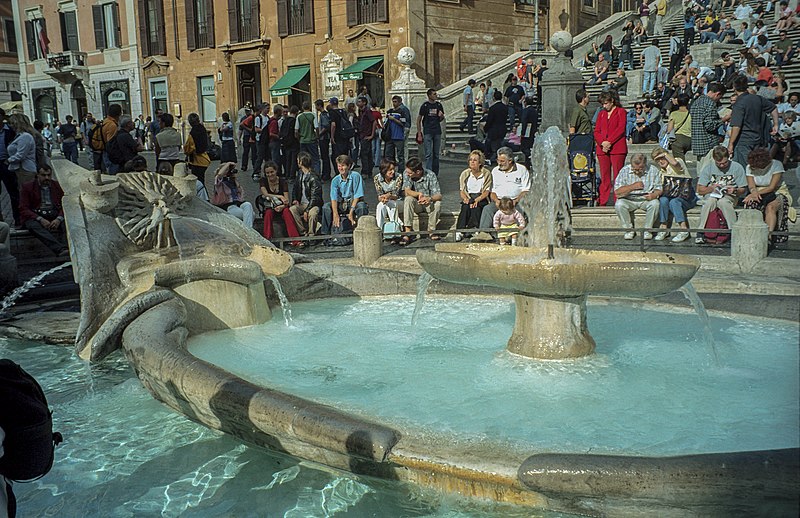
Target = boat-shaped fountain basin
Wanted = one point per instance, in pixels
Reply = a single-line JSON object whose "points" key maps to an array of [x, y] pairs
{"points": [[571, 273]]}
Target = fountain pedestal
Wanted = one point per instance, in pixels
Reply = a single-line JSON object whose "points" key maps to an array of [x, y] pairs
{"points": [[550, 328]]}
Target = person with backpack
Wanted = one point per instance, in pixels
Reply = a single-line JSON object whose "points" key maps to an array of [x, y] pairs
{"points": [[247, 133], [342, 130], [87, 131], [306, 132], [68, 135], [196, 148], [108, 128], [122, 147], [225, 132], [290, 145]]}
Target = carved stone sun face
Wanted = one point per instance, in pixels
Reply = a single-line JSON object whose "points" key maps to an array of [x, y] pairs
{"points": [[406, 56]]}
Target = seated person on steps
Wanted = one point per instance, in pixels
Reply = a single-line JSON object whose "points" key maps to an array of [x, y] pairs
{"points": [[721, 183], [347, 197], [422, 194], [507, 217], [229, 195], [637, 186]]}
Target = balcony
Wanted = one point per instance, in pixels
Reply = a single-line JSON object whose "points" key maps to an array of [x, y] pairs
{"points": [[67, 67]]}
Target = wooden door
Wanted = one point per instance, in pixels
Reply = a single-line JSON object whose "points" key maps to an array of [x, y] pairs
{"points": [[443, 66]]}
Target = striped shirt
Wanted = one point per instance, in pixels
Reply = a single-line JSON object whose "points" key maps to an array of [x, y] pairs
{"points": [[705, 125], [651, 180]]}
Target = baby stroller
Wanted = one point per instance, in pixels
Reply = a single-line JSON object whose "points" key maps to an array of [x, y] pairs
{"points": [[580, 154]]}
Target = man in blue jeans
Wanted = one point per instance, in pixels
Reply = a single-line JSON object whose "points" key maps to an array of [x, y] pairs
{"points": [[347, 197], [469, 106], [429, 124], [651, 57]]}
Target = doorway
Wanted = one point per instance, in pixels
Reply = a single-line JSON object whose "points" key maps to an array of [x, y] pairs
{"points": [[79, 96], [443, 70], [248, 77]]}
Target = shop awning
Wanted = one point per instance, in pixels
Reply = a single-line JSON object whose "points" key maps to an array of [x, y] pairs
{"points": [[356, 70], [294, 75]]}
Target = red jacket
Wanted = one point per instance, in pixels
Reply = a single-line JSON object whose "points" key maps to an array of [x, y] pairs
{"points": [[611, 129], [30, 200]]}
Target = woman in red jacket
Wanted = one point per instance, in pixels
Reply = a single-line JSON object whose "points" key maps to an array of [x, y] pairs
{"points": [[612, 148]]}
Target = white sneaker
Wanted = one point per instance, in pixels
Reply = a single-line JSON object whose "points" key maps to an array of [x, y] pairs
{"points": [[681, 236], [629, 235], [661, 236], [648, 235], [459, 236], [699, 240]]}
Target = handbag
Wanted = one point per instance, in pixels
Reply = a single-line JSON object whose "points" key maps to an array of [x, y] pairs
{"points": [[667, 139], [391, 228]]}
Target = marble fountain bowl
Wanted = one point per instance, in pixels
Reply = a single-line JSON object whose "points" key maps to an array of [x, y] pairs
{"points": [[550, 293]]}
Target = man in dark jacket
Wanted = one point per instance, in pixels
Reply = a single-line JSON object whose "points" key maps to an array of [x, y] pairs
{"points": [[529, 122], [495, 126], [307, 196], [41, 211]]}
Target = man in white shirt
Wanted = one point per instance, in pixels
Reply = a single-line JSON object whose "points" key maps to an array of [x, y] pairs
{"points": [[638, 186], [509, 180]]}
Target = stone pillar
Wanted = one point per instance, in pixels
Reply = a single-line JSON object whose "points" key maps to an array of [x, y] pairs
{"points": [[367, 241], [8, 263], [749, 239], [412, 90], [559, 85]]}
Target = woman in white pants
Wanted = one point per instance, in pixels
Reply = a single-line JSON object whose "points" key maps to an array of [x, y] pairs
{"points": [[389, 186]]}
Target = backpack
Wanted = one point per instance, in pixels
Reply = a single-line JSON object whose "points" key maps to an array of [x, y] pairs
{"points": [[95, 137], [114, 151], [345, 128], [286, 133], [345, 227], [28, 449], [716, 220], [214, 151]]}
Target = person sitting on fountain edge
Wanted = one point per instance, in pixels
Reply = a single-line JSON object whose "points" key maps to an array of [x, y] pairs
{"points": [[638, 186], [509, 180], [41, 211], [422, 194], [347, 197], [229, 194]]}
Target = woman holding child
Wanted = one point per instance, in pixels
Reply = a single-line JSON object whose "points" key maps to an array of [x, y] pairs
{"points": [[474, 186]]}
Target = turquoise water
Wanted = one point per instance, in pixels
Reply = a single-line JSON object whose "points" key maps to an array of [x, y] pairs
{"points": [[126, 455], [653, 388]]}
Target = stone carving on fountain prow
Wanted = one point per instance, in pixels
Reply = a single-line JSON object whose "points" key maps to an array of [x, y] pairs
{"points": [[142, 239]]}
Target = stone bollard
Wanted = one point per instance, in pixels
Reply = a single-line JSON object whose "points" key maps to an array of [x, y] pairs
{"points": [[367, 241], [749, 239]]}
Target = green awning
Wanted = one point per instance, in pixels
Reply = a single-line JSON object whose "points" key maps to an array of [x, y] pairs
{"points": [[294, 75], [356, 70]]}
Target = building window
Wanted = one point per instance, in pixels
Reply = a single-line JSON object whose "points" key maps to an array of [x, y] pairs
{"points": [[107, 32], [295, 17], [151, 27], [243, 20], [36, 36], [69, 30], [158, 96], [199, 24], [207, 97], [10, 32], [367, 11]]}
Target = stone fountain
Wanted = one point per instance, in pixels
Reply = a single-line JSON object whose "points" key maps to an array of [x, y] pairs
{"points": [[551, 283]]}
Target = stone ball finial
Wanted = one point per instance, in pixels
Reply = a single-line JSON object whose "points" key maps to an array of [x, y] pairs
{"points": [[561, 41], [406, 56]]}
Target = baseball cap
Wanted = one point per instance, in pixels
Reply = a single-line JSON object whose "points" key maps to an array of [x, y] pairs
{"points": [[334, 100]]}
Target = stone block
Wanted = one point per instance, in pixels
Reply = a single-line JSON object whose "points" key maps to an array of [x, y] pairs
{"points": [[367, 241], [749, 239], [707, 53]]}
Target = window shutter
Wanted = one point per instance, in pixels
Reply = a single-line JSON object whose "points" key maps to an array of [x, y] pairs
{"points": [[210, 22], [30, 36], [283, 19], [144, 38], [72, 30], [308, 16], [191, 28], [255, 31], [160, 36], [382, 10], [352, 13], [117, 26], [233, 21], [99, 27], [63, 22]]}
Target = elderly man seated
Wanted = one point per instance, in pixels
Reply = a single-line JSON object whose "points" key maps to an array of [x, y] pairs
{"points": [[509, 180], [637, 186], [422, 194]]}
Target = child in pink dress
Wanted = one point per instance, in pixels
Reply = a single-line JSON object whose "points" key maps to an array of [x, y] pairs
{"points": [[508, 217]]}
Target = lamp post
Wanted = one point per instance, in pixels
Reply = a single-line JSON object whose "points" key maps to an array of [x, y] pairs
{"points": [[536, 44]]}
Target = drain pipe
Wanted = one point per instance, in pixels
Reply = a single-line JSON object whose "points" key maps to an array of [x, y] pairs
{"points": [[330, 22]]}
